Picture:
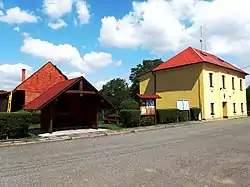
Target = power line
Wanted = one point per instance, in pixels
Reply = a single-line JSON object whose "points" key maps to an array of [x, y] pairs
{"points": [[245, 67]]}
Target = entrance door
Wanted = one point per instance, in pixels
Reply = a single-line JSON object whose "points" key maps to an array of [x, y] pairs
{"points": [[224, 106]]}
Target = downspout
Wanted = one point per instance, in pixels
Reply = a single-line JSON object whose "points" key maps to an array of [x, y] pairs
{"points": [[199, 94], [154, 82], [155, 116]]}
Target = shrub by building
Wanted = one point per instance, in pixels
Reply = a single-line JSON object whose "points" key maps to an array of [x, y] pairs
{"points": [[130, 118], [16, 125], [171, 116]]}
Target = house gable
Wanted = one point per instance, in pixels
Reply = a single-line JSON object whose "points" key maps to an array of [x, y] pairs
{"points": [[39, 82]]}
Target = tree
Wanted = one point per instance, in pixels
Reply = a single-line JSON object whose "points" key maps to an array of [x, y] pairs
{"points": [[128, 104], [146, 65], [116, 91]]}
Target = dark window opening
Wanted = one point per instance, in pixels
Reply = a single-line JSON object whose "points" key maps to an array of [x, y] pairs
{"points": [[211, 80], [223, 82], [212, 108], [240, 84], [63, 107], [234, 107], [242, 107], [233, 83]]}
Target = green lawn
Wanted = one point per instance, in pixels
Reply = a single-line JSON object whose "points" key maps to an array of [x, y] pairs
{"points": [[109, 126]]}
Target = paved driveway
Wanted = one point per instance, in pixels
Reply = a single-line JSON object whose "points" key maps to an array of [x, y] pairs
{"points": [[211, 154]]}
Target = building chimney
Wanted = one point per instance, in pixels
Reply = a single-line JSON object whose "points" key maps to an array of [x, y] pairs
{"points": [[23, 74]]}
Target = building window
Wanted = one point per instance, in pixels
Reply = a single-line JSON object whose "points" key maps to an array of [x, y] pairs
{"points": [[212, 108], [234, 107], [233, 83], [223, 82], [211, 80], [240, 84], [242, 107]]}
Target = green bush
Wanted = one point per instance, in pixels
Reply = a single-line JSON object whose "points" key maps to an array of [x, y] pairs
{"points": [[130, 118], [16, 125], [129, 104], [147, 120], [171, 116], [194, 112]]}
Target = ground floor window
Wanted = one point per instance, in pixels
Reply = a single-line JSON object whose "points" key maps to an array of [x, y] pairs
{"points": [[242, 109], [234, 107], [212, 108]]}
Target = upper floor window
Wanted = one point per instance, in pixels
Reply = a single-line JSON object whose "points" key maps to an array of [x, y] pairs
{"points": [[211, 80], [233, 83], [240, 84], [223, 82]]}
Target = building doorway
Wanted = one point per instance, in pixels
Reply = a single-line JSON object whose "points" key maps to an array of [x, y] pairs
{"points": [[224, 107]]}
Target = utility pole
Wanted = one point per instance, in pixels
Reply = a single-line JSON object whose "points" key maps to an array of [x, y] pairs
{"points": [[201, 39]]}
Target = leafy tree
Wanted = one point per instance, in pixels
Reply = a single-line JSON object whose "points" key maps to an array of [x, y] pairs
{"points": [[2, 90], [128, 104], [116, 91], [146, 65]]}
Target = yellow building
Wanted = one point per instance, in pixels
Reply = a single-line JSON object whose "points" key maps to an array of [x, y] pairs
{"points": [[201, 80]]}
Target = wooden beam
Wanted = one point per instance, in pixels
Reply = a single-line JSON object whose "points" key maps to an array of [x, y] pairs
{"points": [[80, 92], [81, 87]]}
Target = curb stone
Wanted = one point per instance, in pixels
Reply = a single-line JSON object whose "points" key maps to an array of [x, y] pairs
{"points": [[6, 143]]}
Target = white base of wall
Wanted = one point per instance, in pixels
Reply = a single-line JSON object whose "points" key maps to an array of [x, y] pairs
{"points": [[229, 117]]}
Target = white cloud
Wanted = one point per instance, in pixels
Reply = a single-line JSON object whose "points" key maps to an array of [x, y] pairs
{"points": [[66, 53], [57, 8], [1, 4], [98, 85], [162, 26], [71, 75], [58, 24], [17, 16], [82, 11], [17, 29], [119, 63], [1, 13], [10, 75]]}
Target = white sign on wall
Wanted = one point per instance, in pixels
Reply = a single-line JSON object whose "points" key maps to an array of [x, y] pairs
{"points": [[182, 105]]}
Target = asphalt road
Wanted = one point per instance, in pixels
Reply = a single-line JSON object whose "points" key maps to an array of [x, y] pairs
{"points": [[201, 155]]}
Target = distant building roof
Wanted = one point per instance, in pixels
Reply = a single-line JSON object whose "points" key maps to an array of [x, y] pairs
{"points": [[193, 56], [148, 96]]}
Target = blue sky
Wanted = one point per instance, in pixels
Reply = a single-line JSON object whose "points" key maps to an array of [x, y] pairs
{"points": [[104, 39]]}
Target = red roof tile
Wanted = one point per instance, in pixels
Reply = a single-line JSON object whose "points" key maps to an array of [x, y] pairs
{"points": [[193, 56], [148, 96], [50, 94]]}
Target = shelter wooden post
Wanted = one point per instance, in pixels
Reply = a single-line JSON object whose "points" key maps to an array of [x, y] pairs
{"points": [[52, 113], [81, 87]]}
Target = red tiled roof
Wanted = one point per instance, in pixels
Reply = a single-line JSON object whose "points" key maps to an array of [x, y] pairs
{"points": [[50, 94], [193, 56], [59, 71], [148, 96]]}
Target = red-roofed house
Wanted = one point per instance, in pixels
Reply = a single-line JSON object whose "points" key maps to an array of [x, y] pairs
{"points": [[64, 103], [32, 87], [201, 80]]}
